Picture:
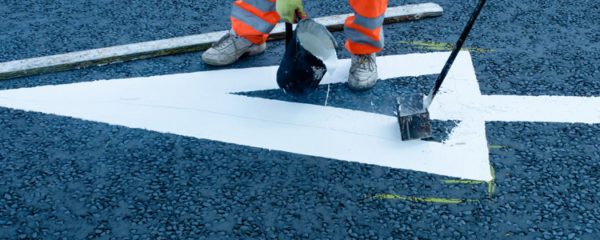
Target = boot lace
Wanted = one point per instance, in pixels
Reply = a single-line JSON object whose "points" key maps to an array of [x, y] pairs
{"points": [[224, 41], [366, 61]]}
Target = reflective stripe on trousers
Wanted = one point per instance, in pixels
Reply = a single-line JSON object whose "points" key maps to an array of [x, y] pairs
{"points": [[254, 19], [364, 31]]}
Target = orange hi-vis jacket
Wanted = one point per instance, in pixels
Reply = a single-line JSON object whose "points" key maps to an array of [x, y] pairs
{"points": [[254, 20]]}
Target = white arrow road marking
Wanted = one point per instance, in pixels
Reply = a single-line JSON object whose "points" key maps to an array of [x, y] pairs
{"points": [[200, 105]]}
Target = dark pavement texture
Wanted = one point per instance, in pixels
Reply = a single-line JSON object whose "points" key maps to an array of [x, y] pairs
{"points": [[66, 178]]}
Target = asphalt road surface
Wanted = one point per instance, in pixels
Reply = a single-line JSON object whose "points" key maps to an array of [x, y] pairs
{"points": [[65, 178]]}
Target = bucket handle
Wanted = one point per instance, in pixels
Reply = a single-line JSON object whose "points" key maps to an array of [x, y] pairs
{"points": [[289, 29]]}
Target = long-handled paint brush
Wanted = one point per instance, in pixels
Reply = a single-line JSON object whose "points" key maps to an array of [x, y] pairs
{"points": [[413, 114]]}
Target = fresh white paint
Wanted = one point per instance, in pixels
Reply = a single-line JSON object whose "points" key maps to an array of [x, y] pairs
{"points": [[200, 105]]}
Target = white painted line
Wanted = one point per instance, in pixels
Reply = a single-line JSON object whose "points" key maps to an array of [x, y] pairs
{"points": [[542, 108], [511, 108], [67, 61], [200, 105]]}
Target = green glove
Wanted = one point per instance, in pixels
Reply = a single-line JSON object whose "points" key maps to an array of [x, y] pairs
{"points": [[287, 9]]}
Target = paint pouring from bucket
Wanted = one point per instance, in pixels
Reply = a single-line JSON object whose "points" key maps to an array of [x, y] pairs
{"points": [[413, 116], [310, 54]]}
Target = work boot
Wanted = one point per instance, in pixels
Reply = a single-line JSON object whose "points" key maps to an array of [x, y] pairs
{"points": [[229, 49], [363, 72]]}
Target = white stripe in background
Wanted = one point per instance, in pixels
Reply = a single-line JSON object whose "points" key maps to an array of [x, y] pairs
{"points": [[74, 60]]}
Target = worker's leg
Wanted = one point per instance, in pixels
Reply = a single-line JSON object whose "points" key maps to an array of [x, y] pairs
{"points": [[364, 37], [364, 30], [254, 19], [251, 23]]}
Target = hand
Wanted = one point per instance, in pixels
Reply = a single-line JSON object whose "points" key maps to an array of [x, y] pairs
{"points": [[287, 10]]}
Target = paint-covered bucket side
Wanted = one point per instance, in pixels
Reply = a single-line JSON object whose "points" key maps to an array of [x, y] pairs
{"points": [[305, 61]]}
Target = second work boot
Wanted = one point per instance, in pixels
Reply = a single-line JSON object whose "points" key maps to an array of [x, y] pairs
{"points": [[229, 49], [363, 72]]}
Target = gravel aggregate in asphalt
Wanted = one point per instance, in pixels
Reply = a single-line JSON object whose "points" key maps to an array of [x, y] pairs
{"points": [[66, 178]]}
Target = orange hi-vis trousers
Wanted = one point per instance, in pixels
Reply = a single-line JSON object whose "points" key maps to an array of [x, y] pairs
{"points": [[254, 20]]}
